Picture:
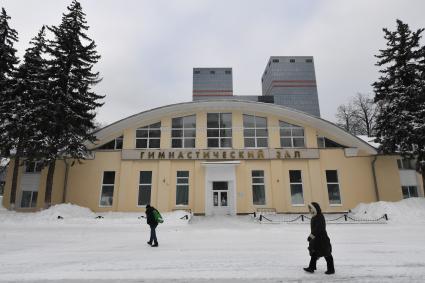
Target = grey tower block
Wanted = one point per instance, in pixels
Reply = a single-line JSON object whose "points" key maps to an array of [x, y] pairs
{"points": [[210, 83], [291, 80]]}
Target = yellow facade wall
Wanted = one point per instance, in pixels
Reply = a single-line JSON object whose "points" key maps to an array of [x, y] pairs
{"points": [[354, 173], [388, 178]]}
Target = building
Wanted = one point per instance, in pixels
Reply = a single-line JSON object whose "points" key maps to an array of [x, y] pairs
{"points": [[291, 80], [287, 80], [212, 83], [222, 157]]}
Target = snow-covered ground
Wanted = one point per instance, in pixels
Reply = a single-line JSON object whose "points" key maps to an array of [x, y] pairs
{"points": [[38, 247]]}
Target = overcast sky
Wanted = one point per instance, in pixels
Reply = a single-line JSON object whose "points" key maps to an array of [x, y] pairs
{"points": [[149, 48]]}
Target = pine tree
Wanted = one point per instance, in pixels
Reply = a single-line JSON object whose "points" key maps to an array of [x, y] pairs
{"points": [[400, 93], [28, 106], [8, 63], [72, 103]]}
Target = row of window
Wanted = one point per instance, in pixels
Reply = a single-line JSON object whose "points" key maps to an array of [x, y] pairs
{"points": [[212, 72], [219, 133], [291, 61], [258, 187]]}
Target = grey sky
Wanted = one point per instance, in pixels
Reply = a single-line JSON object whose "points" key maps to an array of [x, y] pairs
{"points": [[149, 48]]}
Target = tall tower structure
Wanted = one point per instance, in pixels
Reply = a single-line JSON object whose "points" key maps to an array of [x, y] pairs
{"points": [[210, 83], [291, 80]]}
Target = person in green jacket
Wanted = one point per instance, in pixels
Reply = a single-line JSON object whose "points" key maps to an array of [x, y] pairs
{"points": [[152, 222]]}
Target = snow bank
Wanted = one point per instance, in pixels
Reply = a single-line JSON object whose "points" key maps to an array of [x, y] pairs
{"points": [[411, 210], [66, 210]]}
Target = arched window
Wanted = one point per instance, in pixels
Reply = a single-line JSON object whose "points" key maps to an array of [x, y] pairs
{"points": [[255, 131], [183, 132], [149, 136], [291, 135]]}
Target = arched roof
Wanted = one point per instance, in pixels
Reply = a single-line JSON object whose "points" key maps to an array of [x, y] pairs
{"points": [[153, 115]]}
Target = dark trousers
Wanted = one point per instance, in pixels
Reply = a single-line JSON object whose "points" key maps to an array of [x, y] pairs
{"points": [[153, 239], [329, 262]]}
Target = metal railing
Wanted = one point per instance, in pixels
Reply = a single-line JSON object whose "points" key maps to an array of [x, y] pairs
{"points": [[345, 218]]}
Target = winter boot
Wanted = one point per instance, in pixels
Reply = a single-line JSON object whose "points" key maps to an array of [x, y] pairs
{"points": [[309, 269], [155, 245], [330, 265], [150, 243]]}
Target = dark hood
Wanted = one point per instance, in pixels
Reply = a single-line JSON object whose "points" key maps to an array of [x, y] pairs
{"points": [[317, 207]]}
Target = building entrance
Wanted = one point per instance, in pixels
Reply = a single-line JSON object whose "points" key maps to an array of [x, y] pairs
{"points": [[220, 197], [220, 188]]}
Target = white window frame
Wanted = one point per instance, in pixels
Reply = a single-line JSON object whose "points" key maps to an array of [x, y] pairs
{"points": [[334, 183], [255, 137], [183, 138], [183, 184], [219, 129], [258, 184], [401, 164], [35, 167], [107, 185], [115, 144], [149, 128], [296, 183], [144, 184], [290, 127], [31, 201], [408, 190]]}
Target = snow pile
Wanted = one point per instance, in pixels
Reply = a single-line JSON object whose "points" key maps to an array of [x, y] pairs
{"points": [[411, 210], [66, 211], [369, 140]]}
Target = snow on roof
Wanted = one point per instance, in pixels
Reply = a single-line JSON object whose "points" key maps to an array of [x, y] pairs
{"points": [[369, 140]]}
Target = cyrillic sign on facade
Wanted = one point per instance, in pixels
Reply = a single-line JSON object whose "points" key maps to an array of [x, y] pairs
{"points": [[219, 154]]}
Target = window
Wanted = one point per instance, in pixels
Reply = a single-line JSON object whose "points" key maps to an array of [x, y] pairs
{"points": [[291, 135], [275, 60], [212, 72], [29, 199], [258, 190], [219, 130], [255, 131], [333, 187], [309, 60], [183, 132], [182, 188], [149, 136], [296, 185], [145, 188], [114, 144], [405, 164], [196, 72], [292, 60], [323, 142], [33, 166], [228, 72], [409, 191], [107, 193]]}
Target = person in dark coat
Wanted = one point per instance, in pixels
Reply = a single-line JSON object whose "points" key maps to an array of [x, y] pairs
{"points": [[319, 242], [150, 219]]}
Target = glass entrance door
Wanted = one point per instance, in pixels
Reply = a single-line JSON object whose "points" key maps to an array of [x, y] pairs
{"points": [[220, 197]]}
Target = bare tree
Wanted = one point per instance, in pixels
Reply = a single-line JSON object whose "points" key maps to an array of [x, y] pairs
{"points": [[365, 114], [358, 116], [346, 118]]}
